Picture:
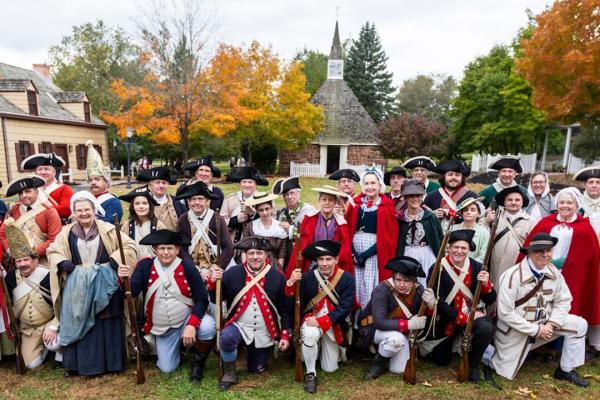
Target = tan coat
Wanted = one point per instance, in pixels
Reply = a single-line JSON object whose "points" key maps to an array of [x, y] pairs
{"points": [[59, 251], [517, 324]]}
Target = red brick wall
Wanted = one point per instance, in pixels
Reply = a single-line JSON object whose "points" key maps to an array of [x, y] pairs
{"points": [[310, 154], [359, 155]]}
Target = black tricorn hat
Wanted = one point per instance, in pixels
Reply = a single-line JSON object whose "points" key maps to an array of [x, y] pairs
{"points": [[540, 241], [28, 182], [239, 173], [35, 160], [254, 242], [586, 173], [140, 191], [419, 161], [501, 196], [195, 189], [407, 266], [454, 166], [206, 160], [345, 173], [463, 234], [394, 171], [165, 236], [284, 185], [151, 174], [508, 162], [322, 248]]}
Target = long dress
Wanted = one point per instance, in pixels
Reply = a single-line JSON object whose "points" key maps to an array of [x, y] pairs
{"points": [[94, 344]]}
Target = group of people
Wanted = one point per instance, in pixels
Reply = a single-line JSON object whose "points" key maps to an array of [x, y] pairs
{"points": [[362, 269]]}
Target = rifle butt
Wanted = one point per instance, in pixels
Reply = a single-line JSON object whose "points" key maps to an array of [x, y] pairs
{"points": [[463, 369], [410, 373], [140, 376], [298, 372], [21, 368]]}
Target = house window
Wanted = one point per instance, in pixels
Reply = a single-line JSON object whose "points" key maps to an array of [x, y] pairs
{"points": [[23, 150], [86, 111], [45, 147], [32, 101]]}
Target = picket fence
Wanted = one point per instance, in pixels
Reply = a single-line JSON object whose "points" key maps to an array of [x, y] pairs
{"points": [[308, 169]]}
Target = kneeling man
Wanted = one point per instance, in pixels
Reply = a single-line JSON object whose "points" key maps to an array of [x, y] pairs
{"points": [[327, 297], [175, 302], [393, 310], [533, 309]]}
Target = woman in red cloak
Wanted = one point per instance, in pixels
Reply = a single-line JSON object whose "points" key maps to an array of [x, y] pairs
{"points": [[578, 255], [373, 230], [326, 224]]}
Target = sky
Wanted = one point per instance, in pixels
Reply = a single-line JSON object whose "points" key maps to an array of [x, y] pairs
{"points": [[419, 37]]}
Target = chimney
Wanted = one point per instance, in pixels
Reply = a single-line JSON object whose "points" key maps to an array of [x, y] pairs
{"points": [[43, 70]]}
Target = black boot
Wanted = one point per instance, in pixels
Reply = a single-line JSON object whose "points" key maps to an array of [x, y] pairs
{"points": [[229, 376], [571, 376], [474, 375], [378, 367], [488, 375], [310, 383]]}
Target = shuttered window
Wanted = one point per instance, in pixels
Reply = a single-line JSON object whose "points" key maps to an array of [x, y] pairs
{"points": [[23, 149], [86, 112], [45, 147], [81, 154], [32, 102]]}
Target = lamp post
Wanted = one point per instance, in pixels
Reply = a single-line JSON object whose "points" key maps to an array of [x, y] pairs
{"points": [[128, 146]]}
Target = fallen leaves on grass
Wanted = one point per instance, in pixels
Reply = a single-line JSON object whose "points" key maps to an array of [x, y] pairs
{"points": [[525, 392], [427, 384]]}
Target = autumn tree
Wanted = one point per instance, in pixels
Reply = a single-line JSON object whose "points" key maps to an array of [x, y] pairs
{"points": [[409, 135]]}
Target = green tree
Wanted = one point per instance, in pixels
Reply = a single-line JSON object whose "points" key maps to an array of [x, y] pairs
{"points": [[493, 111], [365, 70], [428, 96], [315, 68]]}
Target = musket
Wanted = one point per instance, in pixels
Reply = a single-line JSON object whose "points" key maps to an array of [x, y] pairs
{"points": [[410, 371], [14, 328], [218, 293], [298, 369], [463, 367], [140, 377]]}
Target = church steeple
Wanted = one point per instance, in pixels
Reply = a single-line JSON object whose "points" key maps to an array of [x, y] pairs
{"points": [[335, 63]]}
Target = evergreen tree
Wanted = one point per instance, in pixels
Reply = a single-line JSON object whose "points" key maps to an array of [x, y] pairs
{"points": [[366, 72]]}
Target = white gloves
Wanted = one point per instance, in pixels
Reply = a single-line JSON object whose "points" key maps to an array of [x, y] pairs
{"points": [[428, 298], [416, 323]]}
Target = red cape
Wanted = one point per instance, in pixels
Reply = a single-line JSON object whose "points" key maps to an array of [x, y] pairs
{"points": [[581, 269], [307, 236], [387, 231]]}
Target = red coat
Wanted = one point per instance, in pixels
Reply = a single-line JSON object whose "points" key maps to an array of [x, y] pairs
{"points": [[581, 269], [387, 231], [61, 200], [307, 236], [48, 221]]}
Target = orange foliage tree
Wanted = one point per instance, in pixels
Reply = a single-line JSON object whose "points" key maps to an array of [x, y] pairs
{"points": [[561, 61]]}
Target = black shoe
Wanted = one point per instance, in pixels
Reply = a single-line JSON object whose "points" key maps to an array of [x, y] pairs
{"points": [[571, 376], [378, 367], [488, 375], [229, 376], [310, 383], [197, 366], [69, 374], [474, 375]]}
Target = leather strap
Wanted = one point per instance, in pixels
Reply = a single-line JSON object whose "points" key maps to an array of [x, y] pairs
{"points": [[531, 293]]}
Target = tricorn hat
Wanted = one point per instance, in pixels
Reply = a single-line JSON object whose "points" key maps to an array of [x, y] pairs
{"points": [[94, 165], [454, 166], [20, 184], [240, 173], [36, 160], [19, 245], [284, 185], [540, 241], [407, 266], [322, 248], [206, 160], [152, 174], [254, 242], [394, 171], [198, 188], [501, 196], [586, 173], [140, 191], [419, 161], [463, 234], [345, 173], [508, 162], [165, 236]]}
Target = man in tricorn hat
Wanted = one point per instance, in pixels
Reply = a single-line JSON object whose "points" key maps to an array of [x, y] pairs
{"points": [[200, 224], [257, 312], [204, 170], [98, 178], [458, 280], [420, 167], [591, 194], [29, 288], [327, 297], [346, 183], [234, 210], [168, 210], [395, 179], [175, 303], [533, 309], [392, 314], [508, 168], [47, 166], [37, 218]]}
